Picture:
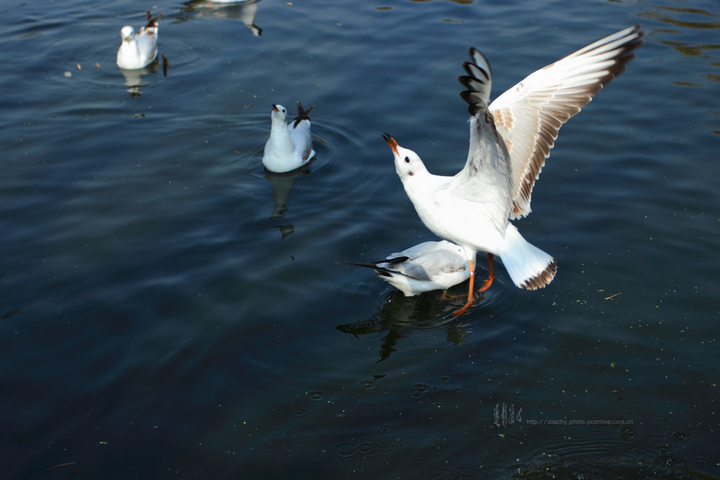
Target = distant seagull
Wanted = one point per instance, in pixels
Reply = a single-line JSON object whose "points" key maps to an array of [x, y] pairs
{"points": [[423, 268], [243, 10], [509, 142], [289, 146], [137, 50]]}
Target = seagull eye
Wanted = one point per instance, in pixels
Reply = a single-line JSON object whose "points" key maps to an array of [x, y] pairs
{"points": [[407, 159]]}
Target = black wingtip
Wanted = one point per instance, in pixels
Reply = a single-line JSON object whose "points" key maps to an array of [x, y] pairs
{"points": [[474, 104], [302, 114], [478, 81], [151, 22], [360, 264]]}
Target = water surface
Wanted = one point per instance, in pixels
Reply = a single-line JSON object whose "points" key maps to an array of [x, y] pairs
{"points": [[171, 309]]}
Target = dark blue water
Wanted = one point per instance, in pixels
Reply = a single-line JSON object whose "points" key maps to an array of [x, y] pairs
{"points": [[169, 309]]}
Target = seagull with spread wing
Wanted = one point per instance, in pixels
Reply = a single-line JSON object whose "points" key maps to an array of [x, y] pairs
{"points": [[510, 139]]}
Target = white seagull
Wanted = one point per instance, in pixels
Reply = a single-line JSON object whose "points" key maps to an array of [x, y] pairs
{"points": [[509, 142], [423, 268], [289, 146], [139, 49]]}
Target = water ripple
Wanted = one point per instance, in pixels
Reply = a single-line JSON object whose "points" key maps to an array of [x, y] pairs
{"points": [[315, 395]]}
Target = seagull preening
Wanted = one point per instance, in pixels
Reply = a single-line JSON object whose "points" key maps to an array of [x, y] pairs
{"points": [[423, 268], [289, 146], [509, 141], [137, 50]]}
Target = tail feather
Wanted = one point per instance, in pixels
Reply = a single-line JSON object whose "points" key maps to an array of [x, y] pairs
{"points": [[528, 266]]}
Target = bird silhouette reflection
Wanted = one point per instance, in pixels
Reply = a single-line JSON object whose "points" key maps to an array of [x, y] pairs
{"points": [[400, 316]]}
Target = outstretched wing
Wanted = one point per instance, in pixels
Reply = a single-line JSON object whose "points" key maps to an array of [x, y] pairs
{"points": [[529, 115], [485, 183]]}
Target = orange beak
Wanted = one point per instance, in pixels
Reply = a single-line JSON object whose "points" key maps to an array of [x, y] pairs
{"points": [[391, 141]]}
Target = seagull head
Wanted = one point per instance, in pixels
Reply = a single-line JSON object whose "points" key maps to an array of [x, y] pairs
{"points": [[127, 33], [278, 114], [407, 162]]}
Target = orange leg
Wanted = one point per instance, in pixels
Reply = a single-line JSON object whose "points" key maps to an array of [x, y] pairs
{"points": [[486, 284], [470, 292]]}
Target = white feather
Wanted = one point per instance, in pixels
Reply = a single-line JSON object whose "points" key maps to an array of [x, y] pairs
{"points": [[509, 142], [289, 146], [423, 268], [137, 50]]}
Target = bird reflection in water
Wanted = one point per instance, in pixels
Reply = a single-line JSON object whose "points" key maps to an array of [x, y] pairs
{"points": [[399, 316], [282, 184], [134, 78], [244, 11]]}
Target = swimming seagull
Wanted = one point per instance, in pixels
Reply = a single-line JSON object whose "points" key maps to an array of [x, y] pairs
{"points": [[509, 142], [289, 146], [423, 268], [139, 49]]}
